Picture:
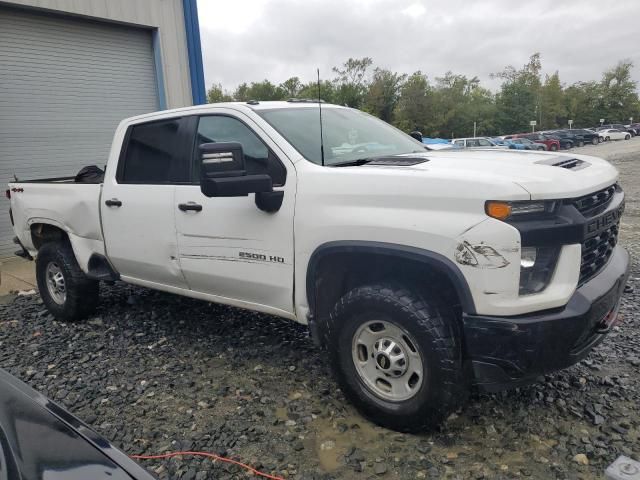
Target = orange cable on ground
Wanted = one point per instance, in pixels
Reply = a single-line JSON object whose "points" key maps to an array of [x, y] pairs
{"points": [[208, 455]]}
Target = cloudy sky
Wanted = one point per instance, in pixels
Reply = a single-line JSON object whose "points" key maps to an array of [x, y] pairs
{"points": [[250, 40]]}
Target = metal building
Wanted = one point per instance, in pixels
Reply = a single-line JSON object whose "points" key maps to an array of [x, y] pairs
{"points": [[70, 70]]}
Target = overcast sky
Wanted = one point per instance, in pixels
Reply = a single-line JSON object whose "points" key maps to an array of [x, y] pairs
{"points": [[250, 40]]}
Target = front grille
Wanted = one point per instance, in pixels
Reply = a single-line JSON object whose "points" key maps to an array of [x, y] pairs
{"points": [[590, 204], [596, 252]]}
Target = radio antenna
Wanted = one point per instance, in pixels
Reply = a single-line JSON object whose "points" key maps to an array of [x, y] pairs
{"points": [[321, 137]]}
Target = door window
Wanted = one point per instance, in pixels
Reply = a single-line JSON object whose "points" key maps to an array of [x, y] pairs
{"points": [[150, 154], [484, 143], [258, 157]]}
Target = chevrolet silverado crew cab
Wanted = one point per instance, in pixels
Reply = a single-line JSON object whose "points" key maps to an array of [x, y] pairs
{"points": [[421, 273]]}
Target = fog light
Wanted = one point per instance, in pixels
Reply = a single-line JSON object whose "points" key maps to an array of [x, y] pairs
{"points": [[536, 268], [528, 257]]}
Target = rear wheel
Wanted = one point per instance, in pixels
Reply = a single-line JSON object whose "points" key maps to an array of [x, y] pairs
{"points": [[627, 137], [396, 356], [553, 147], [65, 290]]}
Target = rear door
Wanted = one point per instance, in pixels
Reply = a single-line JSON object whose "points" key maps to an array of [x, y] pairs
{"points": [[138, 207], [229, 247]]}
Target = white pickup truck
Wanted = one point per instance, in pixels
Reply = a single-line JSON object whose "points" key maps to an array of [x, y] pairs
{"points": [[420, 273]]}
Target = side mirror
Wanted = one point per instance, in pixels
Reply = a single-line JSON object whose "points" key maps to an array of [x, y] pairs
{"points": [[223, 172]]}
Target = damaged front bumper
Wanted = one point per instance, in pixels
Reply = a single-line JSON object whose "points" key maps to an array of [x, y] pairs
{"points": [[507, 351]]}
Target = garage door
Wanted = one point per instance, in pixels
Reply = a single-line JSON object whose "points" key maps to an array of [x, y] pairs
{"points": [[65, 83]]}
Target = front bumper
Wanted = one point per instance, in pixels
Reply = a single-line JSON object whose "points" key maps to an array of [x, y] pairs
{"points": [[507, 351]]}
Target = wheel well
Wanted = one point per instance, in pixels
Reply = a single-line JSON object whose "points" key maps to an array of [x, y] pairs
{"points": [[335, 274], [42, 233]]}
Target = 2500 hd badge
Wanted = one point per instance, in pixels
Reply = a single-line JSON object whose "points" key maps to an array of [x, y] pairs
{"points": [[261, 257]]}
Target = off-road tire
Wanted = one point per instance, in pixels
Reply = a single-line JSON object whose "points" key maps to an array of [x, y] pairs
{"points": [[431, 323], [82, 293]]}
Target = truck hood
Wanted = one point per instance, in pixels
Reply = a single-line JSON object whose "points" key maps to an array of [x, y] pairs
{"points": [[545, 175]]}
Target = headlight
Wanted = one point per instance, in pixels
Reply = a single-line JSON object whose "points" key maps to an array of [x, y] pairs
{"points": [[504, 210], [537, 265]]}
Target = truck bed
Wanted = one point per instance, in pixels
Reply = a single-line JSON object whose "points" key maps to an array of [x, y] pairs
{"points": [[73, 207]]}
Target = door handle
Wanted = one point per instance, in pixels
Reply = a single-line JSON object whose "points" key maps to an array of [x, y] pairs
{"points": [[191, 206], [114, 202]]}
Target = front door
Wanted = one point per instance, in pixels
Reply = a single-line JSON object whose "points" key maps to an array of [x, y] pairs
{"points": [[137, 205], [230, 248]]}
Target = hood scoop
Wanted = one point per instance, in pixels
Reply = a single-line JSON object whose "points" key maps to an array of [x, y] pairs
{"points": [[568, 163], [398, 161]]}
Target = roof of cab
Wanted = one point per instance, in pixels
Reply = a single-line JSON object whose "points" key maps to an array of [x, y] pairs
{"points": [[240, 106]]}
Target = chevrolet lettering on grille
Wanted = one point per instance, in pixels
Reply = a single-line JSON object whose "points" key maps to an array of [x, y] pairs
{"points": [[604, 221]]}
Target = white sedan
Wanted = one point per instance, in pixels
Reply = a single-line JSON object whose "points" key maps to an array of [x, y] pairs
{"points": [[614, 134]]}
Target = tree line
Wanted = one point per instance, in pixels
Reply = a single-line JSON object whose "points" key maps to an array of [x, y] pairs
{"points": [[448, 106]]}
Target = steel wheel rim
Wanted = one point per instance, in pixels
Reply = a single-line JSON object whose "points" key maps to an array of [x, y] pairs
{"points": [[55, 283], [387, 360]]}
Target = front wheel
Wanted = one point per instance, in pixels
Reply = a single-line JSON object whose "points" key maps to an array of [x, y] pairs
{"points": [[627, 137], [606, 139], [595, 141], [64, 288], [553, 147], [397, 356], [580, 143]]}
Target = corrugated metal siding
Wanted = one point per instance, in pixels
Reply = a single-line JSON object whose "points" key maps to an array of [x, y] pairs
{"points": [[65, 83], [165, 15]]}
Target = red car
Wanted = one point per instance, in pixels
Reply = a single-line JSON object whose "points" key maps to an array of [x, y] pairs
{"points": [[552, 145]]}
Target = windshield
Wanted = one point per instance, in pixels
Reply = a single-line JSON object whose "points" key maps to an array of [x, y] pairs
{"points": [[349, 135]]}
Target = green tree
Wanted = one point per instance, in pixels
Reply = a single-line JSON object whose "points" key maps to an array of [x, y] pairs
{"points": [[310, 91], [553, 108], [216, 94], [291, 87], [619, 95], [351, 82], [583, 101], [519, 97], [413, 111], [241, 94], [383, 93]]}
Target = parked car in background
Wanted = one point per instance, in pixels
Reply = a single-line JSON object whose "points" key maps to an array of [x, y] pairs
{"points": [[619, 126], [475, 142], [597, 132], [528, 144], [588, 136], [635, 127], [507, 143], [552, 144], [615, 134], [576, 139], [565, 142]]}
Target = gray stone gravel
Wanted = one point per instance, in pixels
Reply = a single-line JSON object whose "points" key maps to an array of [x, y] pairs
{"points": [[157, 373]]}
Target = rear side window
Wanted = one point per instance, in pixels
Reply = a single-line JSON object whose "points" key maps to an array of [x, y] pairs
{"points": [[150, 154]]}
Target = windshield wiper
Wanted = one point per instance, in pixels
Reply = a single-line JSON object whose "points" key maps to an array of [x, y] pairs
{"points": [[353, 163]]}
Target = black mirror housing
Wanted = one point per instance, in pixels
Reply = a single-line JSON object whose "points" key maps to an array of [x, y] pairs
{"points": [[239, 186], [223, 172]]}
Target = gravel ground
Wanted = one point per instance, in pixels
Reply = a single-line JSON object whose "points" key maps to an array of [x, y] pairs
{"points": [[156, 373]]}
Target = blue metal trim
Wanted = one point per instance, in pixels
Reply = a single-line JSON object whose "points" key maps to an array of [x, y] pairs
{"points": [[194, 49], [157, 60]]}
